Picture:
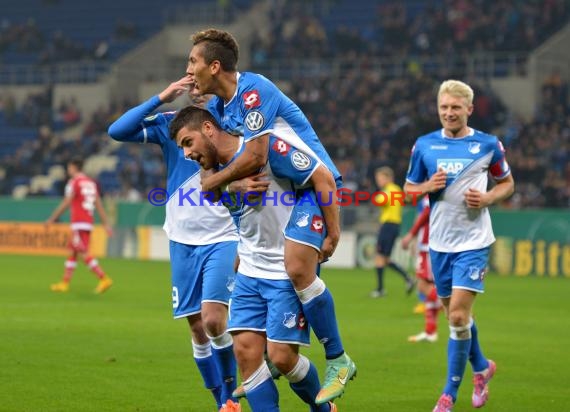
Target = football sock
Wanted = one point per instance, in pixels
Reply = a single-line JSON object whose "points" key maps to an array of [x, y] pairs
{"points": [[223, 351], [380, 278], [304, 380], [261, 391], [478, 362], [70, 265], [318, 308], [457, 355], [93, 265], [400, 270], [207, 367]]}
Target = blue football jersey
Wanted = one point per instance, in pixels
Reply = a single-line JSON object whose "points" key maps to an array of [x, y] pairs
{"points": [[259, 108], [262, 221], [189, 218], [467, 162]]}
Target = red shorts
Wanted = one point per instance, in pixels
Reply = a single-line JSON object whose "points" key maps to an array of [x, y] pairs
{"points": [[79, 240], [423, 267]]}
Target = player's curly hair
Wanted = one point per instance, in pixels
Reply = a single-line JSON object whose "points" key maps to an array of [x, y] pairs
{"points": [[219, 45], [192, 118]]}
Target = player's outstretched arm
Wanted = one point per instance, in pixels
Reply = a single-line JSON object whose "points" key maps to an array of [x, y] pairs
{"points": [[129, 128], [59, 209], [249, 162], [325, 188]]}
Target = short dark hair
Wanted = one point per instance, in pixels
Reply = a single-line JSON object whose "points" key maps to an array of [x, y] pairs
{"points": [[77, 162], [191, 117], [220, 45]]}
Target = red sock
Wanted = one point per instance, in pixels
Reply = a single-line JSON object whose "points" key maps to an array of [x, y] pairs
{"points": [[70, 265], [94, 266], [432, 308]]}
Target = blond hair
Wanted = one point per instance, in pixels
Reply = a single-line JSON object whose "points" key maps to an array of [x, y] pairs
{"points": [[456, 88]]}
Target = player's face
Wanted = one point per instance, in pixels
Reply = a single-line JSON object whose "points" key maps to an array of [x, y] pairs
{"points": [[453, 114], [199, 71], [197, 146]]}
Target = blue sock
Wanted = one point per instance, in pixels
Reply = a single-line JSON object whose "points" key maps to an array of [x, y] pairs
{"points": [[457, 355], [320, 313], [308, 388], [421, 296], [478, 362], [226, 363], [211, 377], [264, 397]]}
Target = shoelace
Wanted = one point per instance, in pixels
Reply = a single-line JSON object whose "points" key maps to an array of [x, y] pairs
{"points": [[332, 373]]}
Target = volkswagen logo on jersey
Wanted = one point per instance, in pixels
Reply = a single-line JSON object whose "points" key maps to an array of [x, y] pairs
{"points": [[453, 166], [254, 120], [300, 160], [474, 147]]}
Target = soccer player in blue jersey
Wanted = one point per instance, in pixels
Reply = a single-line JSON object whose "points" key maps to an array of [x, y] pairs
{"points": [[203, 244], [265, 308], [452, 165], [249, 105]]}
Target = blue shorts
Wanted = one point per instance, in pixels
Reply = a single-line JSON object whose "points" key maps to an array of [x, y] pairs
{"points": [[202, 273], [387, 235], [307, 224], [461, 270], [269, 306]]}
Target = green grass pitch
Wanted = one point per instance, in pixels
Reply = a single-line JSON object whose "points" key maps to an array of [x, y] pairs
{"points": [[122, 351]]}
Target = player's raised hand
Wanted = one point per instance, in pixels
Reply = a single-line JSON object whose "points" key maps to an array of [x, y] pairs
{"points": [[175, 90], [476, 199], [437, 181]]}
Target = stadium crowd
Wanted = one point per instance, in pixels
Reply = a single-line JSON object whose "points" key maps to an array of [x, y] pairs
{"points": [[365, 118]]}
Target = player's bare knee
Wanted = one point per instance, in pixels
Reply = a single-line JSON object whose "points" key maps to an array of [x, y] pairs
{"points": [[299, 273], [283, 357], [458, 318]]}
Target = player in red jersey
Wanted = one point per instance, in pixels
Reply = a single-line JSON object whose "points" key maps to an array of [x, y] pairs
{"points": [[82, 197], [424, 274]]}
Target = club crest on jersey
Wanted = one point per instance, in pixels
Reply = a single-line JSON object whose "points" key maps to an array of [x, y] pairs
{"points": [[317, 224], [254, 121], [453, 166], [251, 99], [300, 160], [290, 320], [474, 147], [281, 147], [475, 273], [302, 219]]}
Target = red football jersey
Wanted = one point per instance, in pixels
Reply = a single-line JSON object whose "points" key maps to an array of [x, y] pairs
{"points": [[83, 191]]}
